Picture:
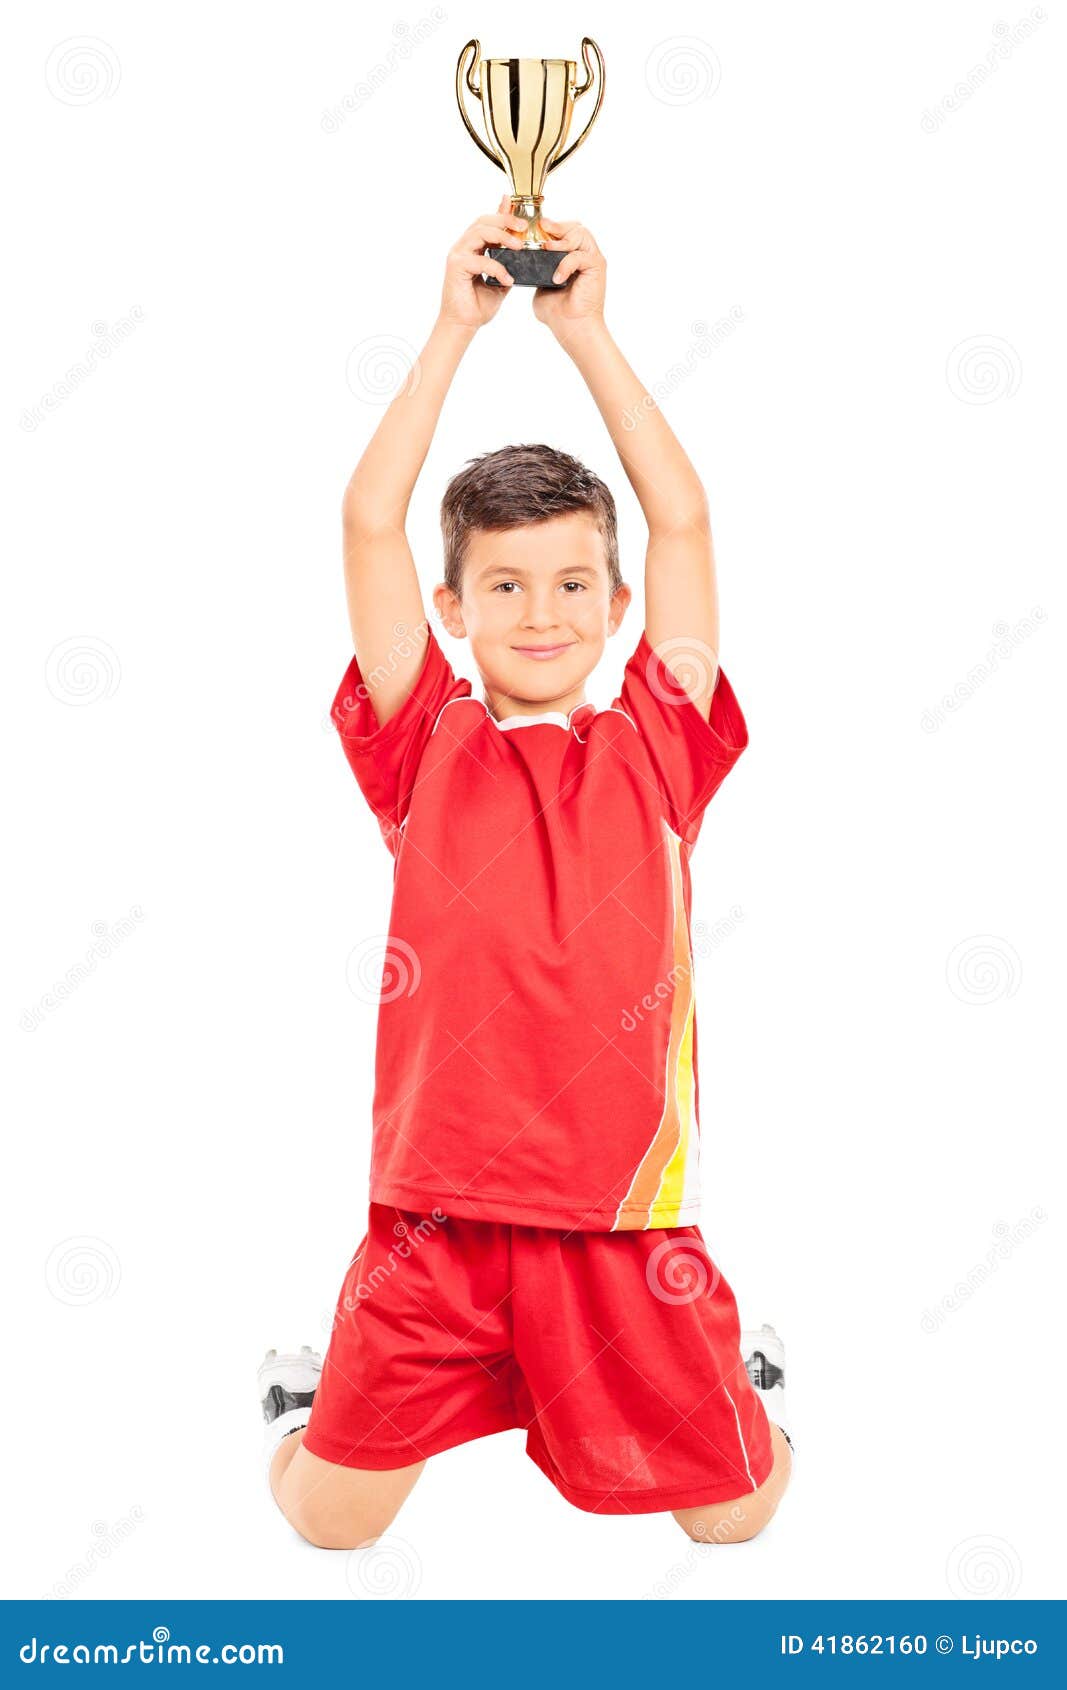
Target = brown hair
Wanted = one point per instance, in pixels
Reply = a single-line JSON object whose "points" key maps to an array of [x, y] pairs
{"points": [[518, 485]]}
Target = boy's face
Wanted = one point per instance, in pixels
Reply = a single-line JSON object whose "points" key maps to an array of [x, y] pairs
{"points": [[540, 588]]}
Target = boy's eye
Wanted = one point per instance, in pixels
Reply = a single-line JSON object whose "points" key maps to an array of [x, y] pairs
{"points": [[500, 584]]}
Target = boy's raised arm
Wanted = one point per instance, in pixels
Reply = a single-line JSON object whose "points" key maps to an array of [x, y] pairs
{"points": [[381, 582], [681, 602]]}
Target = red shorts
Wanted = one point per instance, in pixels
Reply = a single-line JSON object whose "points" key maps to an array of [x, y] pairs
{"points": [[618, 1353]]}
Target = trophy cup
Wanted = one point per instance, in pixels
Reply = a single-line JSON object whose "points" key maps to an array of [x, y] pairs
{"points": [[526, 108]]}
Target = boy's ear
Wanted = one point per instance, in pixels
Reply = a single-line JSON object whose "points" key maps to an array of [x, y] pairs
{"points": [[620, 604], [448, 610]]}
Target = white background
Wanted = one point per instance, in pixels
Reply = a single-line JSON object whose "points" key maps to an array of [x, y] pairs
{"points": [[879, 436]]}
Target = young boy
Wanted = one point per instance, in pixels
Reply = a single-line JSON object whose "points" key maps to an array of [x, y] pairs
{"points": [[532, 1257]]}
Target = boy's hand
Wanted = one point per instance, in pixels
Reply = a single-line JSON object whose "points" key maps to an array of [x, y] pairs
{"points": [[465, 298], [584, 298]]}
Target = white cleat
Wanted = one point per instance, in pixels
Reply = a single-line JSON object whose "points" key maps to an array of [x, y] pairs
{"points": [[287, 1386], [763, 1354], [293, 1373]]}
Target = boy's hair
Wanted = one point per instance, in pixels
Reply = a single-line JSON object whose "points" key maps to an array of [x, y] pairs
{"points": [[518, 485]]}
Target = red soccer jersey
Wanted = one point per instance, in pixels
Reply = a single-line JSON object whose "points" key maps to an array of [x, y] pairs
{"points": [[537, 1047]]}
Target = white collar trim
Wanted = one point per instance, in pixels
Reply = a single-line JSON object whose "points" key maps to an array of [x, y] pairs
{"points": [[510, 722]]}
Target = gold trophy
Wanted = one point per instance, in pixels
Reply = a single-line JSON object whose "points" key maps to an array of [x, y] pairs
{"points": [[526, 107]]}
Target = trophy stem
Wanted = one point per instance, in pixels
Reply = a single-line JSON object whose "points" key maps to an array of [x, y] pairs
{"points": [[529, 206]]}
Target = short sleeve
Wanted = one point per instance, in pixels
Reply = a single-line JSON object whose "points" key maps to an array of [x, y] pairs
{"points": [[691, 756], [385, 760]]}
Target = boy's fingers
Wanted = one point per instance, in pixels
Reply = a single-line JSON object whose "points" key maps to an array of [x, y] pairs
{"points": [[567, 243], [475, 264], [487, 234], [570, 235], [491, 267], [508, 221]]}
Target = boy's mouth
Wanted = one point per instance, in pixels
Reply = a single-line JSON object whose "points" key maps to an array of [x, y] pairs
{"points": [[542, 652]]}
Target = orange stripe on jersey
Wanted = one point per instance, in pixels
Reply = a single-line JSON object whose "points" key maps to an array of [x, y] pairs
{"points": [[658, 1188]]}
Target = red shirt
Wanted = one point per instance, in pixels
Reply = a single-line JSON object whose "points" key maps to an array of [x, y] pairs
{"points": [[537, 1045]]}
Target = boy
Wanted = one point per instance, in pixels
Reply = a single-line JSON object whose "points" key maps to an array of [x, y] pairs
{"points": [[532, 1257]]}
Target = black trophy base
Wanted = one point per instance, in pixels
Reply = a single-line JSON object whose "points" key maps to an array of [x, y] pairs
{"points": [[528, 266]]}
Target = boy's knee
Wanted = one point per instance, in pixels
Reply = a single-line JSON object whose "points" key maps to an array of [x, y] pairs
{"points": [[331, 1522], [334, 1507], [329, 1537], [325, 1531]]}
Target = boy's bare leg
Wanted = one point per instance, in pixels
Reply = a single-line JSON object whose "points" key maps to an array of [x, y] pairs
{"points": [[743, 1516], [336, 1507]]}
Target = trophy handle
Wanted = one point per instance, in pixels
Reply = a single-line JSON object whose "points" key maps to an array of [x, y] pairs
{"points": [[476, 91], [587, 44]]}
